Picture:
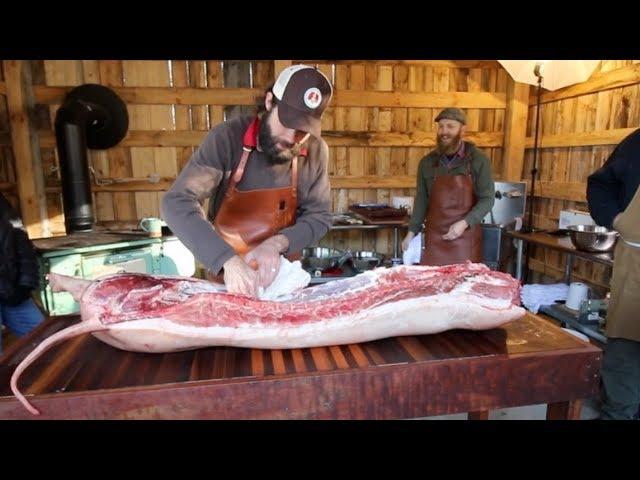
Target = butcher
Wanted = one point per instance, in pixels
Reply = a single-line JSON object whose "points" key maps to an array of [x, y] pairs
{"points": [[266, 180], [454, 191]]}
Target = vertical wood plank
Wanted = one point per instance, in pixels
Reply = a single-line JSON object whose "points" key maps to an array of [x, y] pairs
{"points": [[26, 148], [112, 75], [515, 131]]}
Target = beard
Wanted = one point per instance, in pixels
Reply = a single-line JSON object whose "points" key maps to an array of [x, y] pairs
{"points": [[268, 143], [449, 146]]}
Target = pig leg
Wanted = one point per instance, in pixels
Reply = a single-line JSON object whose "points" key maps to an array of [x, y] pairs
{"points": [[63, 283]]}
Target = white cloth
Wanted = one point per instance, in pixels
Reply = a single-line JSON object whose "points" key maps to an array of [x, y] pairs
{"points": [[290, 278], [534, 295], [412, 254]]}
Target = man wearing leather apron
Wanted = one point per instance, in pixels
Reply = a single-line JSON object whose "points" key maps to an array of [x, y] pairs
{"points": [[613, 194], [454, 191], [267, 183]]}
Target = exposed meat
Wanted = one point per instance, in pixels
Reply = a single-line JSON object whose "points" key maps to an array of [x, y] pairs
{"points": [[145, 313]]}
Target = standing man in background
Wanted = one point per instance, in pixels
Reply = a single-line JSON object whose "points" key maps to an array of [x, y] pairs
{"points": [[454, 191]]}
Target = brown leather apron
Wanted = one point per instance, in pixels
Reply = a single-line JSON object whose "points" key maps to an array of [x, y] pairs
{"points": [[246, 218], [450, 200]]}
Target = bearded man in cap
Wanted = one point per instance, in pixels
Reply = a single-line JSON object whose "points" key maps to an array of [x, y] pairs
{"points": [[454, 191], [267, 183]]}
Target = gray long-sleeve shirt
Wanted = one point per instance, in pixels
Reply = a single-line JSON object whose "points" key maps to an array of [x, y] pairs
{"points": [[207, 175]]}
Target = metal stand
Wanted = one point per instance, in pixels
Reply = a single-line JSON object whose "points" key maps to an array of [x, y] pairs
{"points": [[534, 170], [396, 244], [568, 269], [519, 246]]}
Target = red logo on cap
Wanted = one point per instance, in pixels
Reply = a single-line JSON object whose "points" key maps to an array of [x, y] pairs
{"points": [[312, 98]]}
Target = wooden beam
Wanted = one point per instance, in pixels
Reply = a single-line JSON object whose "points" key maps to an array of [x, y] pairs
{"points": [[187, 138], [3, 88], [26, 148], [145, 138], [247, 96], [144, 185], [373, 181], [597, 83], [414, 63], [367, 98], [412, 139], [574, 191], [515, 130], [163, 95], [137, 185], [583, 139], [8, 187], [279, 65]]}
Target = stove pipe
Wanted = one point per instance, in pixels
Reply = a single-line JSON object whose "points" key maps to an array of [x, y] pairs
{"points": [[92, 116]]}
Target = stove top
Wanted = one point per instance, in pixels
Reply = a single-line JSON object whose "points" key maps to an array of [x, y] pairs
{"points": [[86, 239]]}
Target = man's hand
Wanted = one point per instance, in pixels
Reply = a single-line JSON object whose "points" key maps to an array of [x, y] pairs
{"points": [[407, 241], [455, 230], [239, 277], [267, 255]]}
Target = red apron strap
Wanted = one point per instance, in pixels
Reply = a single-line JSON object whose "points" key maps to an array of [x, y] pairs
{"points": [[249, 142], [294, 178]]}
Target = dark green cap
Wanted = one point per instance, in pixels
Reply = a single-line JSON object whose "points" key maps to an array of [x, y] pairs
{"points": [[452, 114]]}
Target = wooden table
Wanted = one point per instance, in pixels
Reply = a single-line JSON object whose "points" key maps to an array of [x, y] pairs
{"points": [[528, 362]]}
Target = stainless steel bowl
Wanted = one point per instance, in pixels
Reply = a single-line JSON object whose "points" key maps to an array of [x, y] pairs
{"points": [[592, 238], [319, 258], [366, 260]]}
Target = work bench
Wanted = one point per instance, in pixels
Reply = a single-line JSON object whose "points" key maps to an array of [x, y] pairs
{"points": [[529, 361]]}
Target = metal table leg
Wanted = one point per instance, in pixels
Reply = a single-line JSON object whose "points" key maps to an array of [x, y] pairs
{"points": [[396, 253], [568, 268], [519, 245]]}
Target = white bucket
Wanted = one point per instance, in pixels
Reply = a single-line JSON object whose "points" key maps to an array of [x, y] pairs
{"points": [[578, 292]]}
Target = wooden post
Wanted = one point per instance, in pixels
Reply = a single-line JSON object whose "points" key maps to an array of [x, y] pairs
{"points": [[478, 415], [515, 130], [279, 65], [26, 149], [564, 410]]}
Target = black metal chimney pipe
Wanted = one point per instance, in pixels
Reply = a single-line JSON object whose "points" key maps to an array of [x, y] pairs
{"points": [[71, 138], [92, 116]]}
